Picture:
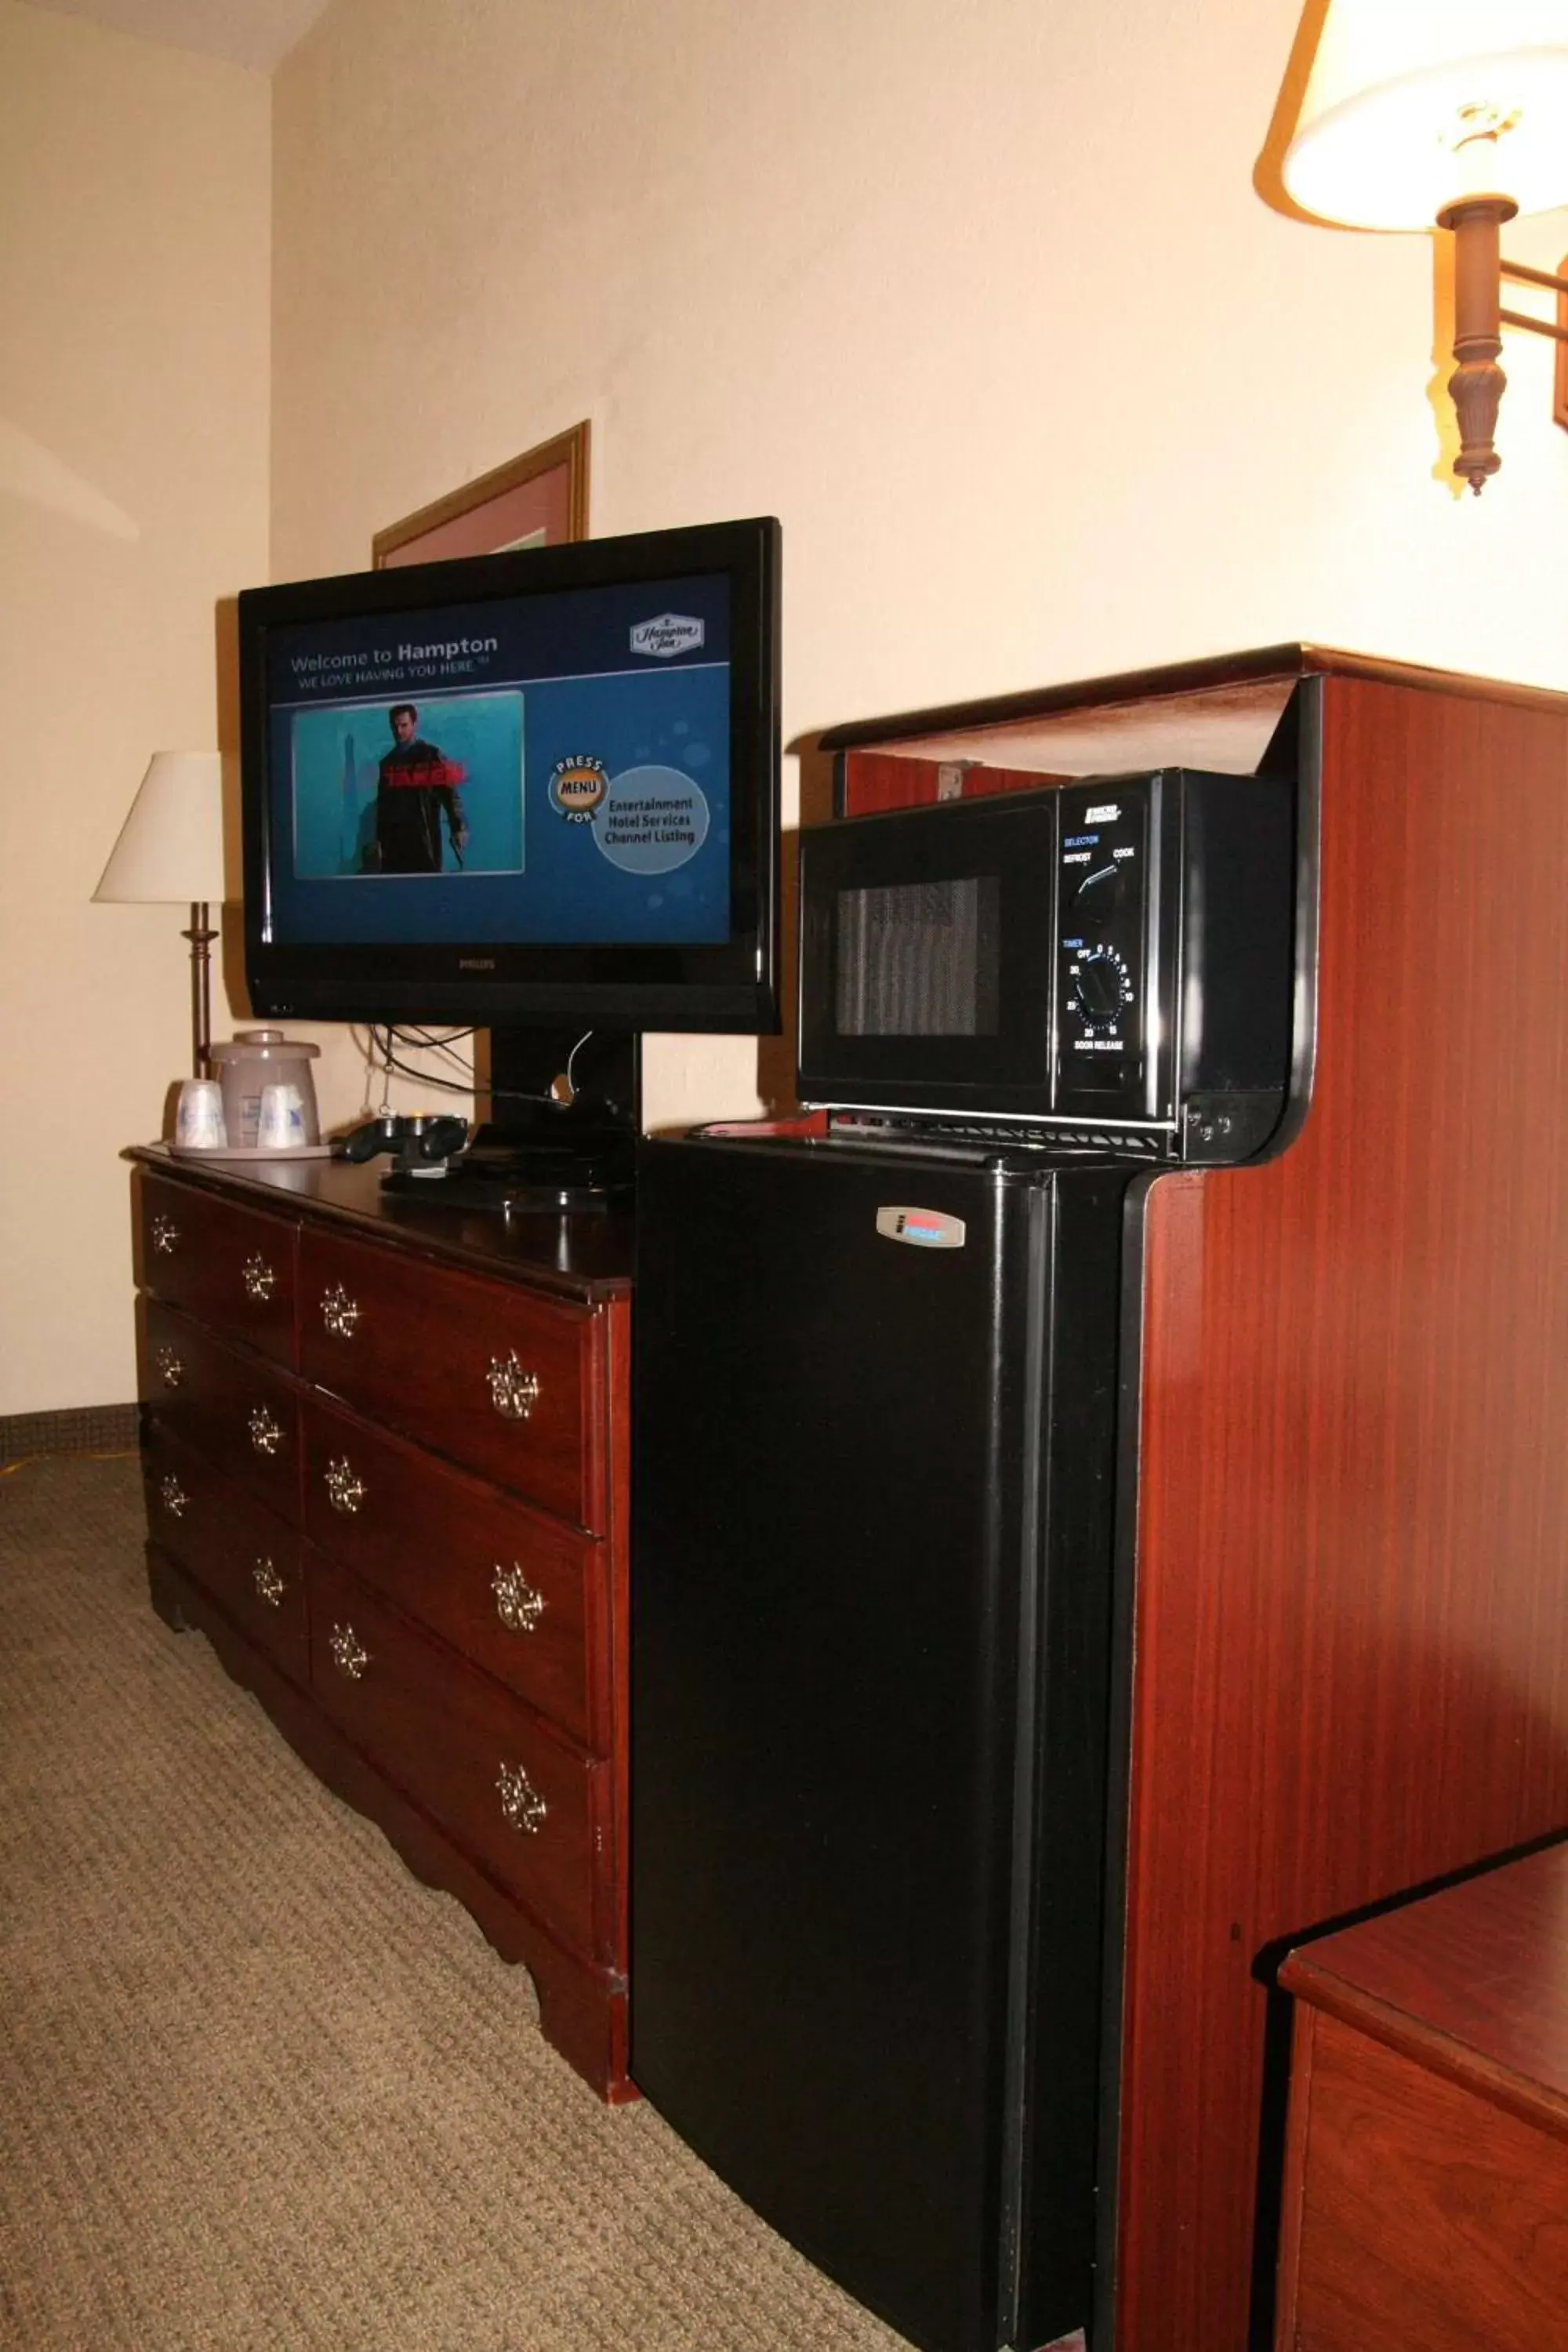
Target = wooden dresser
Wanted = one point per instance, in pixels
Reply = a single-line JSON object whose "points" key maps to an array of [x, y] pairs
{"points": [[1426, 2195], [386, 1463]]}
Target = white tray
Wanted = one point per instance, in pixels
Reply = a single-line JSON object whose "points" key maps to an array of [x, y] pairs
{"points": [[251, 1151]]}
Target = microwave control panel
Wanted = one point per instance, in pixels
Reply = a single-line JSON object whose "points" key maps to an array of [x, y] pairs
{"points": [[1102, 993], [1174, 920]]}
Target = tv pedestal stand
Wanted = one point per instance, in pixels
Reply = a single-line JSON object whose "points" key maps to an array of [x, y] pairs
{"points": [[566, 1111]]}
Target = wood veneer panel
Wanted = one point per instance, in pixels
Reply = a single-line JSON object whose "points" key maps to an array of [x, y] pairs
{"points": [[610, 1623], [1351, 1653], [945, 731], [1471, 1982], [1428, 2216]]}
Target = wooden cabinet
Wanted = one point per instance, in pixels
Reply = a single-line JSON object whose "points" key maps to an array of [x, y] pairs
{"points": [[1427, 2194], [385, 1456], [1343, 1525]]}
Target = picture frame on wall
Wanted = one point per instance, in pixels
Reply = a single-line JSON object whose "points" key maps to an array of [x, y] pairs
{"points": [[539, 499]]}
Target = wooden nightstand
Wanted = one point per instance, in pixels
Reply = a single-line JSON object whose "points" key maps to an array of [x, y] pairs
{"points": [[1426, 2183]]}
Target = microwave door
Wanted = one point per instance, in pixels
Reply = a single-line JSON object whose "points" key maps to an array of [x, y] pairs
{"points": [[927, 960]]}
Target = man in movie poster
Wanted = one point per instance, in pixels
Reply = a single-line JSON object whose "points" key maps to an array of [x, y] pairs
{"points": [[416, 789]]}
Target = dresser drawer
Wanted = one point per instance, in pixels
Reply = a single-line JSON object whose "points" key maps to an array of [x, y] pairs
{"points": [[498, 1379], [242, 1553], [532, 1812], [521, 1595], [232, 1408], [231, 1267]]}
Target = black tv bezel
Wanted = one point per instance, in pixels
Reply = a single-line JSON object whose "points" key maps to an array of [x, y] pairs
{"points": [[729, 987]]}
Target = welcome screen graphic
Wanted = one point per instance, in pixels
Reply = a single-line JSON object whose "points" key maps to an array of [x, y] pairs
{"points": [[550, 769]]}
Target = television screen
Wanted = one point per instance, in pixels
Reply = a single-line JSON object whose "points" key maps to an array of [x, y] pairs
{"points": [[542, 785]]}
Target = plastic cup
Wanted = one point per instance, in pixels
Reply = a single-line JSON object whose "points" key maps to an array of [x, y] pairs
{"points": [[199, 1116], [281, 1124]]}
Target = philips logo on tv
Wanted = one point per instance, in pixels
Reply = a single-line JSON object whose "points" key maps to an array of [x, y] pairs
{"points": [[670, 633]]}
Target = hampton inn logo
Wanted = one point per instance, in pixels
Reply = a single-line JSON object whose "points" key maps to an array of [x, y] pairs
{"points": [[670, 633]]}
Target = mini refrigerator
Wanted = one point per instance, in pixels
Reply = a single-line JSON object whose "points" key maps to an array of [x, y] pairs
{"points": [[876, 1638]]}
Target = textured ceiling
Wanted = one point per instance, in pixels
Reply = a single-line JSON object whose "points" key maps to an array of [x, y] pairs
{"points": [[247, 32]]}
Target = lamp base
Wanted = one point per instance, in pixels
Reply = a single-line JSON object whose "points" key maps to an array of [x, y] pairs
{"points": [[201, 936]]}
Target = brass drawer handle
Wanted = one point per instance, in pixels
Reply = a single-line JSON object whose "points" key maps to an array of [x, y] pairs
{"points": [[518, 1605], [165, 1234], [171, 1371], [346, 1490], [266, 1431], [513, 1392], [349, 1653], [339, 1313], [175, 1500], [520, 1801], [268, 1583], [257, 1276]]}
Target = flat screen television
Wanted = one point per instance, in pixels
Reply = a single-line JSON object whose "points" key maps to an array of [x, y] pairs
{"points": [[536, 788]]}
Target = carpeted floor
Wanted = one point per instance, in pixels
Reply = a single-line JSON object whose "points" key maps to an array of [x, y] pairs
{"points": [[261, 2090]]}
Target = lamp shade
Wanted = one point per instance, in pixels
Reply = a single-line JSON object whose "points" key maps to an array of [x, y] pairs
{"points": [[170, 849], [1416, 105]]}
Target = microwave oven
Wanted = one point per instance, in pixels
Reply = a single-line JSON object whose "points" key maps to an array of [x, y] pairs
{"points": [[1110, 958]]}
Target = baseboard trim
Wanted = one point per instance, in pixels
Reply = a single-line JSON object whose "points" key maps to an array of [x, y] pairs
{"points": [[84, 1429]]}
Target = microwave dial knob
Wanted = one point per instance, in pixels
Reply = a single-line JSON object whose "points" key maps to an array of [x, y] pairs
{"points": [[1094, 902], [1101, 991]]}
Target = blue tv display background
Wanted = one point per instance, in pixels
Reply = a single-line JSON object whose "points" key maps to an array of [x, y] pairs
{"points": [[586, 734]]}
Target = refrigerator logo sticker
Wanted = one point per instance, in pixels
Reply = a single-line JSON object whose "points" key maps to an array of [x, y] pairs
{"points": [[926, 1228]]}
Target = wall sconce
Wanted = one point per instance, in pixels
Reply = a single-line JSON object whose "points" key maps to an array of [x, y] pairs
{"points": [[1449, 114]]}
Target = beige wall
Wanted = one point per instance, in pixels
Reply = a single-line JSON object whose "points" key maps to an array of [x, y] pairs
{"points": [[133, 316], [979, 299]]}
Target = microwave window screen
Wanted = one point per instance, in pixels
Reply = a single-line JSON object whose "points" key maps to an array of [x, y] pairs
{"points": [[920, 959]]}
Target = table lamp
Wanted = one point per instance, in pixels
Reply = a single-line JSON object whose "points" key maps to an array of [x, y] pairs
{"points": [[170, 853], [1449, 114]]}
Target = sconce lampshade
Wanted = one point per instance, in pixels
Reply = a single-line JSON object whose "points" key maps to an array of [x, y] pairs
{"points": [[170, 850], [1416, 106]]}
